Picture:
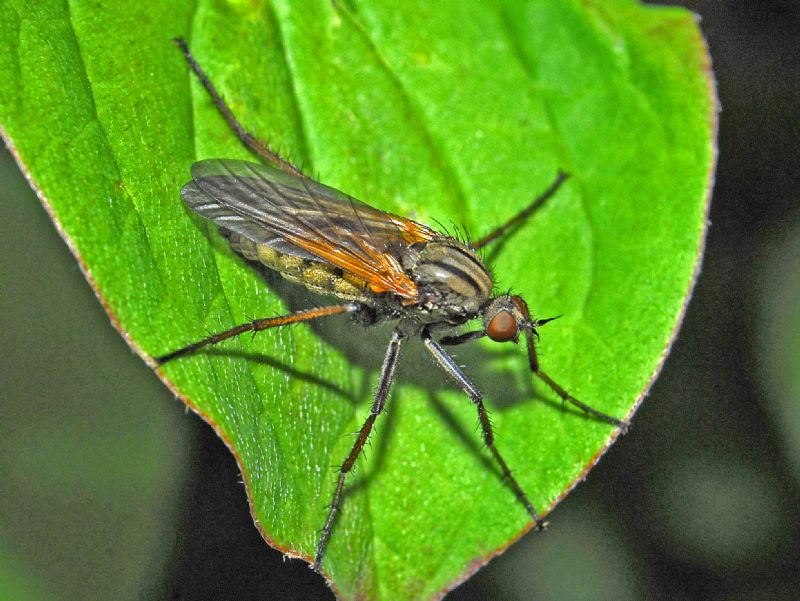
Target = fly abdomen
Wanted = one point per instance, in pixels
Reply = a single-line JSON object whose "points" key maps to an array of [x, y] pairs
{"points": [[317, 276]]}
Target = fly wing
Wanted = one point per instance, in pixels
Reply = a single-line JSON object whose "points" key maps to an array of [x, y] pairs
{"points": [[299, 216]]}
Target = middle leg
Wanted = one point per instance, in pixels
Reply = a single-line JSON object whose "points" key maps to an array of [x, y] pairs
{"points": [[384, 384]]}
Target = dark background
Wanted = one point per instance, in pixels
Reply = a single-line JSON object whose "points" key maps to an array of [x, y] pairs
{"points": [[103, 475]]}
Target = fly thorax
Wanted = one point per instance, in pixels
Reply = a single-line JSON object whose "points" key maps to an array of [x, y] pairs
{"points": [[453, 282]]}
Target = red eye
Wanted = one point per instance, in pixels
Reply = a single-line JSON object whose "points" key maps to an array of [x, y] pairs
{"points": [[503, 327]]}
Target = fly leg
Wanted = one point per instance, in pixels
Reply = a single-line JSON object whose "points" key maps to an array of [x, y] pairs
{"points": [[260, 148], [260, 324], [565, 396], [533, 361], [382, 392], [476, 396], [520, 217]]}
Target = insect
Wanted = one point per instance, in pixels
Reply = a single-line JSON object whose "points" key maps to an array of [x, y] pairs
{"points": [[381, 266]]}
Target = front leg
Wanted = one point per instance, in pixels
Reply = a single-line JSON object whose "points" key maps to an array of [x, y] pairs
{"points": [[533, 361], [384, 384], [476, 396]]}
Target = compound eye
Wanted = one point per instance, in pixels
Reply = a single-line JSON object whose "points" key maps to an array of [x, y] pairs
{"points": [[503, 327]]}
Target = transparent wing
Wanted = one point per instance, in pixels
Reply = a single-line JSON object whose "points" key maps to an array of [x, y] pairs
{"points": [[302, 217]]}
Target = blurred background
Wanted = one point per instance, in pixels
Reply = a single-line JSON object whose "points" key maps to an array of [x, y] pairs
{"points": [[104, 475]]}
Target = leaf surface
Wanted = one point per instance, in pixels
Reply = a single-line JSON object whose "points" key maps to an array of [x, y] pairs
{"points": [[448, 112]]}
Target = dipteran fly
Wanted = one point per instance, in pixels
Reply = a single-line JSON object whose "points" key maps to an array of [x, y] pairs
{"points": [[381, 266]]}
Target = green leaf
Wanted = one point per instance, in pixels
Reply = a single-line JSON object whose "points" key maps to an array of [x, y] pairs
{"points": [[448, 112]]}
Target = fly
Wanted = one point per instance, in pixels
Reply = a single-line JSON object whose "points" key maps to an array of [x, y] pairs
{"points": [[384, 267]]}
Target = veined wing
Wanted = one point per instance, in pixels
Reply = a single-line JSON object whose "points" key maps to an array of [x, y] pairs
{"points": [[300, 216]]}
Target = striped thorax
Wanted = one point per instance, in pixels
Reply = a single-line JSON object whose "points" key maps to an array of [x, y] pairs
{"points": [[453, 282]]}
